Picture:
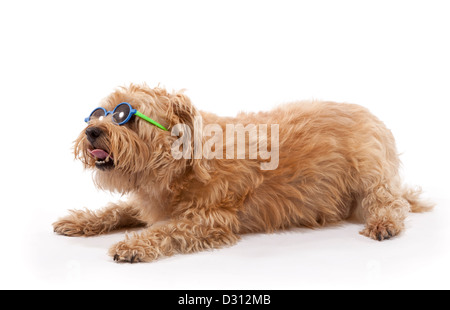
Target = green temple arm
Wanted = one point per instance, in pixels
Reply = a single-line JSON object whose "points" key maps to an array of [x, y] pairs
{"points": [[148, 119]]}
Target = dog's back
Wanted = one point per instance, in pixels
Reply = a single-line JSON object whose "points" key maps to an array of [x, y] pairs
{"points": [[332, 156]]}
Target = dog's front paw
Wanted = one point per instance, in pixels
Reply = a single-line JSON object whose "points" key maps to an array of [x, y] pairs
{"points": [[68, 227], [132, 251], [80, 223]]}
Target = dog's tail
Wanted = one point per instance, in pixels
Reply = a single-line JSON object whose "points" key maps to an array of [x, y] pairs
{"points": [[412, 195]]}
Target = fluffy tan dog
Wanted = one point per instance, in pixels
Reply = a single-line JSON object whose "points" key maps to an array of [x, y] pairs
{"points": [[335, 160]]}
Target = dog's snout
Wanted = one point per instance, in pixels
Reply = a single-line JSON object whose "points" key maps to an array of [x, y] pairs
{"points": [[93, 133]]}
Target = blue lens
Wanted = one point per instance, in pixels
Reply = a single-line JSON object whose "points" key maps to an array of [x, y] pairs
{"points": [[121, 113], [97, 113]]}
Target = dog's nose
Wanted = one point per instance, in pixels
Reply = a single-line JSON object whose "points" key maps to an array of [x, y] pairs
{"points": [[93, 133]]}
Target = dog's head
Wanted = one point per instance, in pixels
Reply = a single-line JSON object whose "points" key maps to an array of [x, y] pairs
{"points": [[131, 153]]}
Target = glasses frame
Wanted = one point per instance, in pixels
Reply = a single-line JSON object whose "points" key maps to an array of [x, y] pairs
{"points": [[130, 114]]}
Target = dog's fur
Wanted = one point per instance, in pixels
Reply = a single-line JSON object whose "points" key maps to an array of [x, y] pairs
{"points": [[335, 160]]}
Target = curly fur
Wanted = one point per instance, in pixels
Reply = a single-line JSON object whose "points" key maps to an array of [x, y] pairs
{"points": [[335, 160]]}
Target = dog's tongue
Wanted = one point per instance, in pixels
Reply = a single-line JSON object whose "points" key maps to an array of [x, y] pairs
{"points": [[100, 154]]}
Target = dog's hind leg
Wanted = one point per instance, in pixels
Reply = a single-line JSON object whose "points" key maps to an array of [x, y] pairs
{"points": [[90, 223], [384, 211]]}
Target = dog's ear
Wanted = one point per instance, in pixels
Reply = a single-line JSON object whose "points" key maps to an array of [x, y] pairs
{"points": [[181, 111]]}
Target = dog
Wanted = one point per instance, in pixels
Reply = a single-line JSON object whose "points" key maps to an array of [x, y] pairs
{"points": [[335, 160]]}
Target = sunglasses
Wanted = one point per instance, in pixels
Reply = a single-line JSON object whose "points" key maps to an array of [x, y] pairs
{"points": [[121, 114]]}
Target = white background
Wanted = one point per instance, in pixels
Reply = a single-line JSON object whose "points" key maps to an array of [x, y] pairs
{"points": [[59, 58]]}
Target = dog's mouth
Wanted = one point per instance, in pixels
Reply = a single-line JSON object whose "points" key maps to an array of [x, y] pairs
{"points": [[103, 159]]}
